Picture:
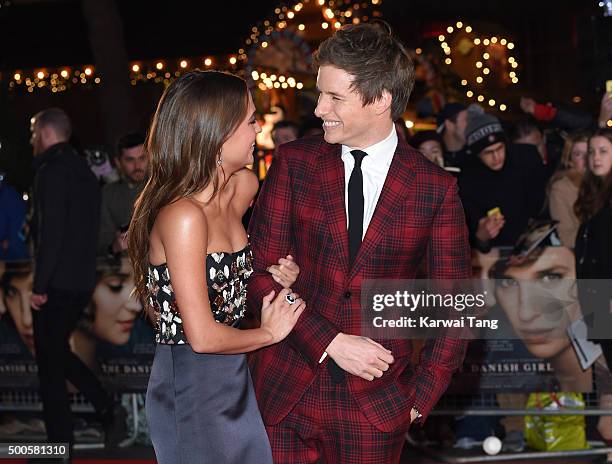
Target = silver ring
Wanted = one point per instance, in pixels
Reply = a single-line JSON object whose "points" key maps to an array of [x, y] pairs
{"points": [[290, 299]]}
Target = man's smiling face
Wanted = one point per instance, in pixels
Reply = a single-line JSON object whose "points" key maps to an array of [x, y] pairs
{"points": [[345, 119]]}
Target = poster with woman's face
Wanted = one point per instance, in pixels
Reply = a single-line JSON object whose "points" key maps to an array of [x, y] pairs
{"points": [[534, 295], [17, 365], [112, 336], [539, 298]]}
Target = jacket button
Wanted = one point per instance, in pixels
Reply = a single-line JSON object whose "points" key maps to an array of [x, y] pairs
{"points": [[347, 294]]}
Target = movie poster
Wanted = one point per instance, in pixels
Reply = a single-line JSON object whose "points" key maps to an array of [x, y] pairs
{"points": [[113, 336]]}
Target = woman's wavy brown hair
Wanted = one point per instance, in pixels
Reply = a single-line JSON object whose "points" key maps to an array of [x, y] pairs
{"points": [[595, 192], [196, 114]]}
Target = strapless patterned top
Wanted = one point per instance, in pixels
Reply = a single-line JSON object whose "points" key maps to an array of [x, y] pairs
{"points": [[227, 275]]}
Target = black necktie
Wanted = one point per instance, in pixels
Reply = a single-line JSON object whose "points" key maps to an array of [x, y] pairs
{"points": [[355, 233], [355, 206]]}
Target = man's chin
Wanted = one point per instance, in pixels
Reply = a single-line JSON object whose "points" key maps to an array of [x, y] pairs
{"points": [[332, 136]]}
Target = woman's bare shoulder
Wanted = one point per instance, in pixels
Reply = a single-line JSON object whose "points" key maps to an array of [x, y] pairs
{"points": [[184, 215]]}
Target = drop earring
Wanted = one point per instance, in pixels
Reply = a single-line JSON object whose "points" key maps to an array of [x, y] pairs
{"points": [[219, 162]]}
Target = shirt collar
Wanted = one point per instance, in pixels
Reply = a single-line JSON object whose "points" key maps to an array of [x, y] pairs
{"points": [[382, 151]]}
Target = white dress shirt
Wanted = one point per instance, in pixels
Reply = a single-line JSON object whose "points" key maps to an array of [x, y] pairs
{"points": [[375, 168]]}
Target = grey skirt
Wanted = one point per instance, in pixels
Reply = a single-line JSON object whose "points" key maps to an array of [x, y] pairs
{"points": [[201, 409]]}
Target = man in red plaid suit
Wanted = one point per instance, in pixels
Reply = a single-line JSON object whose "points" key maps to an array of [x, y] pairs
{"points": [[355, 204]]}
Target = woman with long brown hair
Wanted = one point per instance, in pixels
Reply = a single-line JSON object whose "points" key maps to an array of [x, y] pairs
{"points": [[564, 185], [594, 255], [192, 260]]}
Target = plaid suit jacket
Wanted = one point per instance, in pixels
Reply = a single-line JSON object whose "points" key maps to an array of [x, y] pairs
{"points": [[301, 211]]}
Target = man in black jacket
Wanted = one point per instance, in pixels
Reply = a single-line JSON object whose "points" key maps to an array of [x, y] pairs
{"points": [[501, 185], [64, 226]]}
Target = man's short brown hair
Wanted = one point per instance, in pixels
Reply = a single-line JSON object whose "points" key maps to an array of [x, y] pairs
{"points": [[376, 59], [57, 119]]}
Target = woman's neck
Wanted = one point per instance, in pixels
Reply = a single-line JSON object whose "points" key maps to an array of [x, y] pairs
{"points": [[206, 199]]}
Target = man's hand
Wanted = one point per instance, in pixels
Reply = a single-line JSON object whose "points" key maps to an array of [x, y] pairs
{"points": [[360, 356], [489, 227], [120, 243], [37, 300], [605, 111]]}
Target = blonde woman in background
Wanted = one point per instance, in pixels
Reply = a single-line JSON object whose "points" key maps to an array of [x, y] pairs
{"points": [[564, 185]]}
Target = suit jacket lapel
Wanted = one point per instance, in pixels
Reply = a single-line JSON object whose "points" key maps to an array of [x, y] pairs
{"points": [[332, 192], [393, 196]]}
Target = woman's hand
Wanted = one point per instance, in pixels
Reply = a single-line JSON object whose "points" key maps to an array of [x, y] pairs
{"points": [[279, 316], [285, 272]]}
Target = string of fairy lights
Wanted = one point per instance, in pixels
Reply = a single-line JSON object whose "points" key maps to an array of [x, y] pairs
{"points": [[483, 45], [335, 13], [157, 71]]}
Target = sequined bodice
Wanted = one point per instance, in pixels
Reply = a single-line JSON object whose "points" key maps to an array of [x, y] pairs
{"points": [[226, 276]]}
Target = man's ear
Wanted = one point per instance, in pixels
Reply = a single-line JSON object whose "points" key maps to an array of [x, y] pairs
{"points": [[383, 103]]}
